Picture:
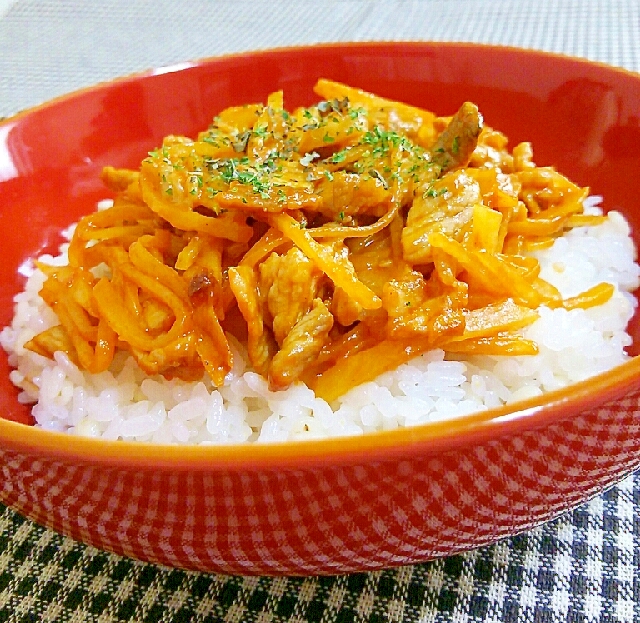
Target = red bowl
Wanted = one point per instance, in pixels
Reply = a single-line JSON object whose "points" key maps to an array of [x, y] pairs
{"points": [[341, 505]]}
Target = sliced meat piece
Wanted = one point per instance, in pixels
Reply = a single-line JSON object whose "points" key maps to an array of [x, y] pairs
{"points": [[301, 346], [289, 283], [260, 344], [455, 145], [349, 194], [345, 310], [447, 207]]}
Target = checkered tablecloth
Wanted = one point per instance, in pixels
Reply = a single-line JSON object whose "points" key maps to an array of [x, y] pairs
{"points": [[584, 566]]}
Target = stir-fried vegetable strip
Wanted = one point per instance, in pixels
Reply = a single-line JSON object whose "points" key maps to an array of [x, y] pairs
{"points": [[336, 240]]}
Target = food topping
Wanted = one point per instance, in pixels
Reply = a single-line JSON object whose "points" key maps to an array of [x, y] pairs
{"points": [[335, 241]]}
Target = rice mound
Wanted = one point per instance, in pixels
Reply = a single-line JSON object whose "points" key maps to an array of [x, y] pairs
{"points": [[125, 403]]}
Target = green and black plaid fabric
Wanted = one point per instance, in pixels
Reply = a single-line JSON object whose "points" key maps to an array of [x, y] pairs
{"points": [[581, 567]]}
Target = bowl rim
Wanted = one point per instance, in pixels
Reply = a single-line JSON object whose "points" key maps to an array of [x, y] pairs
{"points": [[405, 442], [399, 443], [320, 47]]}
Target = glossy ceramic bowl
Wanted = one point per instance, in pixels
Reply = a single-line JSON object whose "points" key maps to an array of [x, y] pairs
{"points": [[328, 506]]}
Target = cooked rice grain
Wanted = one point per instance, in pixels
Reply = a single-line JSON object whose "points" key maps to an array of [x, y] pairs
{"points": [[124, 403]]}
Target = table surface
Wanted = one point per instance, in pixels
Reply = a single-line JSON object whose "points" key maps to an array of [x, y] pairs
{"points": [[580, 567]]}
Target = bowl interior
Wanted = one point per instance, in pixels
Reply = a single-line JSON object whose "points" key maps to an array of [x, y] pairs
{"points": [[582, 118]]}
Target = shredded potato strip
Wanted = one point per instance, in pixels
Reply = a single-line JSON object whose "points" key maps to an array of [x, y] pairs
{"points": [[336, 241], [69, 300], [500, 344], [341, 273], [110, 305], [492, 273], [411, 117], [229, 225], [337, 231], [365, 365], [270, 241]]}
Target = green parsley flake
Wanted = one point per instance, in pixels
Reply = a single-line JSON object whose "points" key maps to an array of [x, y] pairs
{"points": [[382, 141], [339, 156], [433, 192], [256, 176], [261, 132]]}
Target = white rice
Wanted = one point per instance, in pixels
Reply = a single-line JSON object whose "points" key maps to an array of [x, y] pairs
{"points": [[124, 403]]}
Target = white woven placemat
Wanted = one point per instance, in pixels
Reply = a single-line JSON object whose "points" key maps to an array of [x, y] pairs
{"points": [[49, 47]]}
